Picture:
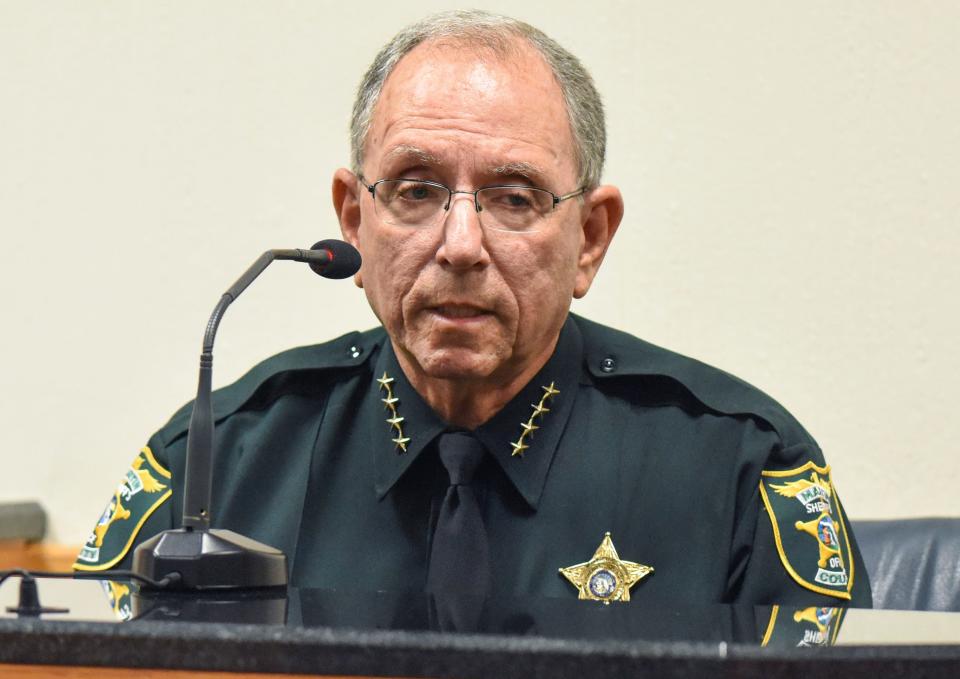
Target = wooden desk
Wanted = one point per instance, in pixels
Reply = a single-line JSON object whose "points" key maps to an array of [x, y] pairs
{"points": [[37, 556]]}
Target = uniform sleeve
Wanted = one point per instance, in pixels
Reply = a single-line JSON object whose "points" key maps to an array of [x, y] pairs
{"points": [[793, 544], [138, 507]]}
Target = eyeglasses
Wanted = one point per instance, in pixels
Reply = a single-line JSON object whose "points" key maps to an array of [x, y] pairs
{"points": [[418, 203]]}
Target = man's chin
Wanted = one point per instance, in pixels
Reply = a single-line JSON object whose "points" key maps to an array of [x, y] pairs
{"points": [[457, 363]]}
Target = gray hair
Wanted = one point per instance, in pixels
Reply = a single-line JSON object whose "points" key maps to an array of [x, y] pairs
{"points": [[496, 32]]}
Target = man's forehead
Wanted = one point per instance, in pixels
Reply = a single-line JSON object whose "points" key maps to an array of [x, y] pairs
{"points": [[436, 92]]}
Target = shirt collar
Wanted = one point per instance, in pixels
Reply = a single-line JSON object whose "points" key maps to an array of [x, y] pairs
{"points": [[528, 470]]}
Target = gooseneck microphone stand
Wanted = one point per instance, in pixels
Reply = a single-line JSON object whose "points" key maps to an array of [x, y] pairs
{"points": [[212, 558]]}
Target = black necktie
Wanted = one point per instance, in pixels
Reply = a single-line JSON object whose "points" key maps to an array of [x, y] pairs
{"points": [[459, 555]]}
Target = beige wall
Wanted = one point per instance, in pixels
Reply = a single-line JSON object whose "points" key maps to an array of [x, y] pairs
{"points": [[790, 170]]}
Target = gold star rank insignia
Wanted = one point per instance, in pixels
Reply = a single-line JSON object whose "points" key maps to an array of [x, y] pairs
{"points": [[395, 421], [529, 427], [518, 447], [606, 577]]}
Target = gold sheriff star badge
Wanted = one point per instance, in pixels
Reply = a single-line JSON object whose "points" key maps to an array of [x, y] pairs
{"points": [[606, 577]]}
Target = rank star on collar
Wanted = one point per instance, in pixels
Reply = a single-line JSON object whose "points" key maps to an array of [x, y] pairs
{"points": [[529, 427], [605, 577], [395, 421]]}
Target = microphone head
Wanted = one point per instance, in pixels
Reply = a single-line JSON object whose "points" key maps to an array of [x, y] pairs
{"points": [[344, 259]]}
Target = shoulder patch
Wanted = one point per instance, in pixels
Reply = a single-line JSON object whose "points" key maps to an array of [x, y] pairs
{"points": [[145, 487], [808, 528]]}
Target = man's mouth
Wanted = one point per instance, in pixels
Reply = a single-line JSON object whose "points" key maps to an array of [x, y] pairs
{"points": [[459, 311]]}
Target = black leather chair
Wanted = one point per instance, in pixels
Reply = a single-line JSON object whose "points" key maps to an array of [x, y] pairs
{"points": [[914, 564]]}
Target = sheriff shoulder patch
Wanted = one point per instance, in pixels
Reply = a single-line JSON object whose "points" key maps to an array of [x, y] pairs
{"points": [[808, 528], [145, 487]]}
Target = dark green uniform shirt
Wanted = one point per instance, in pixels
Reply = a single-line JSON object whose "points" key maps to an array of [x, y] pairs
{"points": [[690, 470]]}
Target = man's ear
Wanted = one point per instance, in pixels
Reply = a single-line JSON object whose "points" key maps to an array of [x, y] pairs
{"points": [[346, 203], [602, 212]]}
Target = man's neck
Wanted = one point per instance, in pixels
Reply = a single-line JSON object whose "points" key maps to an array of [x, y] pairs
{"points": [[468, 403]]}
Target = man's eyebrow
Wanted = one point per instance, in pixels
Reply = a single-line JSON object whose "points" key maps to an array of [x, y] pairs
{"points": [[405, 151], [526, 170]]}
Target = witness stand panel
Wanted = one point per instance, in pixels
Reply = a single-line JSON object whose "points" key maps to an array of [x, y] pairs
{"points": [[326, 633]]}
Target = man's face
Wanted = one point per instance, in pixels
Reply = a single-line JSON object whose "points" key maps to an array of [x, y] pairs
{"points": [[458, 300]]}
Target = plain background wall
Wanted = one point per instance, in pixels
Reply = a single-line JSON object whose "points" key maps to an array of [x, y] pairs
{"points": [[790, 171]]}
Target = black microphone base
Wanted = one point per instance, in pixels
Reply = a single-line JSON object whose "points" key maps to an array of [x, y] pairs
{"points": [[210, 559]]}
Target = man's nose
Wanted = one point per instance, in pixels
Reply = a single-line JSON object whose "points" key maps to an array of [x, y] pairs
{"points": [[463, 244]]}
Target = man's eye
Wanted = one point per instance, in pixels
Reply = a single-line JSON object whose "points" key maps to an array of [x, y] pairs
{"points": [[416, 192], [513, 200], [518, 200]]}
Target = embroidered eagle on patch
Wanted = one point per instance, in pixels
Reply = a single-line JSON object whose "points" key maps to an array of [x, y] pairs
{"points": [[805, 488]]}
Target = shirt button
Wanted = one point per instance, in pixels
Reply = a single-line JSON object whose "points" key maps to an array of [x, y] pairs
{"points": [[355, 352], [608, 365]]}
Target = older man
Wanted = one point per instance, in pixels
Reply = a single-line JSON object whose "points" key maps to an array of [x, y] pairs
{"points": [[485, 440]]}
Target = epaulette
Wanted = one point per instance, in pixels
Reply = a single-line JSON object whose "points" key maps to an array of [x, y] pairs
{"points": [[615, 354], [346, 352]]}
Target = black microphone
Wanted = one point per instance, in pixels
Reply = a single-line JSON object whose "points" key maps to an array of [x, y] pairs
{"points": [[343, 259], [220, 559]]}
